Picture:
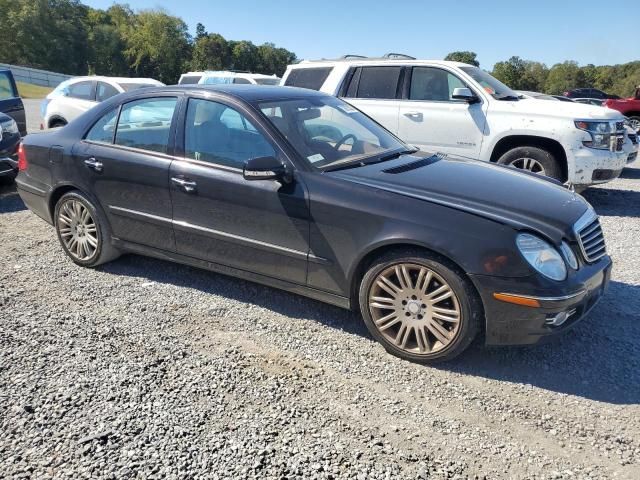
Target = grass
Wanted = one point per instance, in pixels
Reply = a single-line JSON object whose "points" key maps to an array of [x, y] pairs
{"points": [[28, 90]]}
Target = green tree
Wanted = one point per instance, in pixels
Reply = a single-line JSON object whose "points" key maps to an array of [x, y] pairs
{"points": [[200, 31], [210, 52], [244, 55], [464, 57], [510, 72], [565, 76]]}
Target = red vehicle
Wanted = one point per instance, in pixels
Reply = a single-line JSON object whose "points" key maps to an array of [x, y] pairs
{"points": [[627, 106]]}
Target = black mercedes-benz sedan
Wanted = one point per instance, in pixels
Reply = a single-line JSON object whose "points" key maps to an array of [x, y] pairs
{"points": [[301, 191]]}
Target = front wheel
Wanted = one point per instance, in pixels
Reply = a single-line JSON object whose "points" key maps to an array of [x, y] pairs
{"points": [[83, 231], [634, 121], [419, 307], [533, 159]]}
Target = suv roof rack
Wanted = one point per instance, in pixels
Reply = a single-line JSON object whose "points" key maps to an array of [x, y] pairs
{"points": [[394, 56], [350, 56]]}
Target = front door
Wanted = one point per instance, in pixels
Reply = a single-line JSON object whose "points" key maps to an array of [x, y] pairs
{"points": [[124, 159], [10, 101], [256, 226], [433, 121]]}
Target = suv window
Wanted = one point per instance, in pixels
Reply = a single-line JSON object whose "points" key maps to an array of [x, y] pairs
{"points": [[377, 82], [221, 135], [433, 84], [103, 129], [311, 78], [146, 123], [6, 88], [81, 90], [105, 91], [241, 80]]}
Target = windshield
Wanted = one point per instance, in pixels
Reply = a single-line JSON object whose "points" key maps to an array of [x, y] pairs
{"points": [[267, 81], [491, 85], [326, 130]]}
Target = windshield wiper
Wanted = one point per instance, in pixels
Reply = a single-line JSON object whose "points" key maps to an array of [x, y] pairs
{"points": [[391, 156], [341, 164]]}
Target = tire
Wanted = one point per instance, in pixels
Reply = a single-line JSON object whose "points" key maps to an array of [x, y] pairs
{"points": [[92, 231], [533, 159], [404, 325], [635, 122]]}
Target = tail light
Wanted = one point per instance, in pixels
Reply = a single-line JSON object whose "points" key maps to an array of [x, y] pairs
{"points": [[22, 158]]}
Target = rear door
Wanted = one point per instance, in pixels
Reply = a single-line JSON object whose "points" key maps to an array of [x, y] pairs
{"points": [[76, 99], [124, 159], [10, 101], [256, 226], [432, 120], [376, 90]]}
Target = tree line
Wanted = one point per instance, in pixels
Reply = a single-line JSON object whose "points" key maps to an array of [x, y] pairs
{"points": [[69, 37], [534, 76]]}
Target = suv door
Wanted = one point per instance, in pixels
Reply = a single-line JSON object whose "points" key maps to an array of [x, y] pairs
{"points": [[10, 101], [432, 120], [257, 226], [76, 99], [124, 159], [375, 90]]}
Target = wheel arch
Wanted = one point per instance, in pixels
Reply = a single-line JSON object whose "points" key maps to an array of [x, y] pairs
{"points": [[514, 141], [56, 118]]}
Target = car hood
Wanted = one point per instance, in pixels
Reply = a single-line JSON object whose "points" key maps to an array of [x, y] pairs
{"points": [[502, 194], [547, 108]]}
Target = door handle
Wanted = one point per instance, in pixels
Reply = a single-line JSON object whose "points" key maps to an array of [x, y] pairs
{"points": [[413, 114], [94, 164], [189, 186]]}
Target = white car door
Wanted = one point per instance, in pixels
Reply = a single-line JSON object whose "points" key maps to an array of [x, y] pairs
{"points": [[375, 91], [76, 99], [432, 120]]}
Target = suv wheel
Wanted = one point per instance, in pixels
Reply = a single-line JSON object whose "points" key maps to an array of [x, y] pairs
{"points": [[533, 159], [634, 121], [83, 231], [419, 308]]}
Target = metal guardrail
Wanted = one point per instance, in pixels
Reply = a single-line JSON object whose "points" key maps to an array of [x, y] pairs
{"points": [[35, 76]]}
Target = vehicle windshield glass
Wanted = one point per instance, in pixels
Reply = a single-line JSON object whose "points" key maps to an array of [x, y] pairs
{"points": [[491, 85], [134, 86], [267, 81], [326, 130]]}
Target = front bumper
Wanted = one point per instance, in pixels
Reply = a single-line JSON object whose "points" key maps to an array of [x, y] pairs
{"points": [[593, 166], [511, 324]]}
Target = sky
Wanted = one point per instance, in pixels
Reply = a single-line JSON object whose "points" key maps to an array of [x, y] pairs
{"points": [[586, 31]]}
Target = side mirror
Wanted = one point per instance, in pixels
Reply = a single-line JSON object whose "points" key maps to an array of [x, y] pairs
{"points": [[265, 168], [464, 94]]}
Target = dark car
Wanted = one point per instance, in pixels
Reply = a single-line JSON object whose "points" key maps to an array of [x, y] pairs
{"points": [[10, 101], [9, 142], [588, 93], [301, 191]]}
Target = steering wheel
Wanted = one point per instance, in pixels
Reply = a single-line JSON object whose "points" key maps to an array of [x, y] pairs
{"points": [[343, 140]]}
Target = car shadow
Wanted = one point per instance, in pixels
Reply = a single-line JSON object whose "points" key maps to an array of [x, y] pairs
{"points": [[10, 201], [630, 173], [614, 203], [598, 360]]}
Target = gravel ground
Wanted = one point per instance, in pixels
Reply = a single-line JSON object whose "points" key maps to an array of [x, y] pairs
{"points": [[147, 369]]}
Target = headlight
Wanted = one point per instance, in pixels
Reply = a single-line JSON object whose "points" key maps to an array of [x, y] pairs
{"points": [[542, 256], [569, 256], [600, 133], [10, 126]]}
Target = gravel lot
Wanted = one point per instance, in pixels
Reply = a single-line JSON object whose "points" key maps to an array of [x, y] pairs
{"points": [[147, 369]]}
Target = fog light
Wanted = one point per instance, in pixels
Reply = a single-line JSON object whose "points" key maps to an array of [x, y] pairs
{"points": [[559, 318]]}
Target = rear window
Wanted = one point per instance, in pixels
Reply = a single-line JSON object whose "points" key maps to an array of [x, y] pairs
{"points": [[378, 82], [190, 79], [268, 81], [134, 86], [311, 78]]}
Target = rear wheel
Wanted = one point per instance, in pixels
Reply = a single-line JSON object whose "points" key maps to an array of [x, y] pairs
{"points": [[419, 307], [533, 159], [83, 231]]}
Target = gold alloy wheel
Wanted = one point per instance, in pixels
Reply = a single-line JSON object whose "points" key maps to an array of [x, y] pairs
{"points": [[414, 308], [77, 229]]}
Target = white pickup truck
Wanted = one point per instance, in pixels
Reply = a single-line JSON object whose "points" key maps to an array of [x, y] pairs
{"points": [[456, 108]]}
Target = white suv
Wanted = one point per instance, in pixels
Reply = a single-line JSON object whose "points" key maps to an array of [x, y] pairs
{"points": [[75, 96], [456, 108]]}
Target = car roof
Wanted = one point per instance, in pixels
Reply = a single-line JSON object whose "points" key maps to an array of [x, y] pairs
{"points": [[113, 79], [375, 61], [248, 93]]}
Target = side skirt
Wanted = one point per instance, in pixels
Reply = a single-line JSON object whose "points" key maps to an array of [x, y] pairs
{"points": [[303, 290]]}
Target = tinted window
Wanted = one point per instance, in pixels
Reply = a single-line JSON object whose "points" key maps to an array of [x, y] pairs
{"points": [[378, 82], [433, 84], [81, 90], [104, 91], [312, 78], [102, 130], [6, 88], [145, 124], [190, 79], [219, 134], [240, 80], [127, 87], [268, 81]]}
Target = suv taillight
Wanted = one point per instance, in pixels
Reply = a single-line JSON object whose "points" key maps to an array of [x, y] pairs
{"points": [[22, 158]]}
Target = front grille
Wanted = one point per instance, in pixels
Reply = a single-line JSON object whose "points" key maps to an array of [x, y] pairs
{"points": [[591, 239], [619, 126]]}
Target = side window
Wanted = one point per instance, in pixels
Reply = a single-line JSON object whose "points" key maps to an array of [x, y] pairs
{"points": [[6, 88], [241, 80], [105, 91], [221, 135], [433, 84], [311, 78], [81, 90], [146, 123], [378, 82], [103, 129]]}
